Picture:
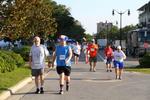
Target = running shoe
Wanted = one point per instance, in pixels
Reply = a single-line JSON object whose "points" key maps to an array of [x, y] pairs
{"points": [[94, 70], [37, 91], [41, 90], [61, 92]]}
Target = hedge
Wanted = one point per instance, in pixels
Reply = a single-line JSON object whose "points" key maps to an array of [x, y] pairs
{"points": [[9, 61], [145, 61], [23, 51]]}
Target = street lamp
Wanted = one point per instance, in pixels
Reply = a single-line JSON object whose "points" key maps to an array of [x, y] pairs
{"points": [[120, 13]]}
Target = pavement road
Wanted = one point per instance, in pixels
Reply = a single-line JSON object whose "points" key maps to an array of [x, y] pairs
{"points": [[85, 85]]}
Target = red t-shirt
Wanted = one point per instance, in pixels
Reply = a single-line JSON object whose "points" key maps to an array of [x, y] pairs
{"points": [[108, 52], [92, 48]]}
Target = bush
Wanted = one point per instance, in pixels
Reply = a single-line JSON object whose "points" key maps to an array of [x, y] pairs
{"points": [[145, 61], [7, 62], [2, 65], [24, 52], [17, 57]]}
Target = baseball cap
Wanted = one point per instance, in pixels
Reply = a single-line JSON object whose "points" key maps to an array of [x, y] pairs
{"points": [[119, 47], [62, 38]]}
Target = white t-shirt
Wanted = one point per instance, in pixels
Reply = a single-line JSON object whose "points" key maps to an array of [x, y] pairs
{"points": [[85, 48], [38, 54], [119, 56], [77, 49]]}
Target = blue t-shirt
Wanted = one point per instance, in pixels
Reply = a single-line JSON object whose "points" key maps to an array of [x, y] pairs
{"points": [[62, 53]]}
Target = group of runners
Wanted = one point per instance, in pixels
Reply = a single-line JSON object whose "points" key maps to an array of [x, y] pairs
{"points": [[62, 57]]}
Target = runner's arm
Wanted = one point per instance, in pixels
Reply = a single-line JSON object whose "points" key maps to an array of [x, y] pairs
{"points": [[70, 56]]}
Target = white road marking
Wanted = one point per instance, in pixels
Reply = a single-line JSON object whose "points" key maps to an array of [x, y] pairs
{"points": [[101, 81]]}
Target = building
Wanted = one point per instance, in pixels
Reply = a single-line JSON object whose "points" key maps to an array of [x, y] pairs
{"points": [[103, 26], [136, 39], [144, 15]]}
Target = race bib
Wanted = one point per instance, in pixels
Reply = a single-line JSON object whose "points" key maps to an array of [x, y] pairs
{"points": [[92, 49], [118, 58], [62, 57]]}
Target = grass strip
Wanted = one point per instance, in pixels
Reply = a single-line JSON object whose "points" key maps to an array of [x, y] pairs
{"points": [[9, 79], [141, 70]]}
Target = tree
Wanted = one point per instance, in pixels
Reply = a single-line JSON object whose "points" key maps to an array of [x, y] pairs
{"points": [[111, 34], [76, 31], [27, 18], [66, 23], [126, 29], [88, 37], [114, 33]]}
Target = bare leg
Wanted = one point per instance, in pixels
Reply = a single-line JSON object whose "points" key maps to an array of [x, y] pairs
{"points": [[91, 66], [42, 83], [94, 66], [37, 84], [67, 78], [107, 67], [37, 81], [117, 72], [77, 59], [120, 73], [42, 80], [110, 67], [61, 82]]}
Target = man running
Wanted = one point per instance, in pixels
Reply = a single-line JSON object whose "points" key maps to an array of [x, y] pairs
{"points": [[92, 51], [119, 57], [108, 56], [37, 63], [76, 52], [63, 55]]}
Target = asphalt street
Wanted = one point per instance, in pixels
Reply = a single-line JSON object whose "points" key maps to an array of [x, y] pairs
{"points": [[86, 85]]}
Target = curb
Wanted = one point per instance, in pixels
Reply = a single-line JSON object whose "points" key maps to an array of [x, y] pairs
{"points": [[4, 95]]}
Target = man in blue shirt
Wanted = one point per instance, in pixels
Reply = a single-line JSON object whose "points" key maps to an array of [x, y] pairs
{"points": [[63, 55]]}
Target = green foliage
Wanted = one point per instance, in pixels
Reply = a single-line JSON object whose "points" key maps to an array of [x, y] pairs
{"points": [[88, 37], [10, 79], [7, 62], [2, 65], [23, 51], [66, 24], [126, 29], [18, 59], [26, 18], [145, 61], [112, 33], [137, 69]]}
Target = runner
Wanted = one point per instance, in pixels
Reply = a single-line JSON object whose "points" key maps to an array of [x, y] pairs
{"points": [[119, 56], [37, 63], [63, 55], [92, 51], [108, 56], [85, 46], [76, 52]]}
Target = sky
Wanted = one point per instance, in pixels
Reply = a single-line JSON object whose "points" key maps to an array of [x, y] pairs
{"points": [[90, 12]]}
